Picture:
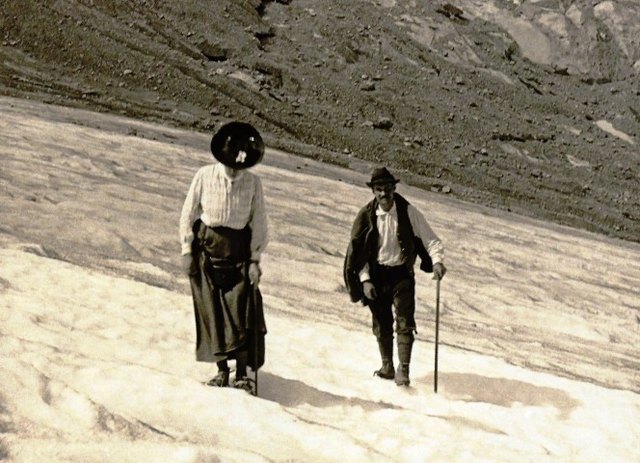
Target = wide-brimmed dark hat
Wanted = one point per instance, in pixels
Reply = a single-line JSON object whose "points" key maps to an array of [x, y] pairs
{"points": [[381, 176], [238, 145]]}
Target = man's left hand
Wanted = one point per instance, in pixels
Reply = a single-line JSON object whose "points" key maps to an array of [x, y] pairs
{"points": [[254, 273], [438, 271]]}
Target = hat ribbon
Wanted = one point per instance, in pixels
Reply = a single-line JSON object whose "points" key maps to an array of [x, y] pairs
{"points": [[242, 157]]}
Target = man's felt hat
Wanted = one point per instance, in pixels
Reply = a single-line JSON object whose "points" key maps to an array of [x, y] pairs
{"points": [[237, 145], [381, 176]]}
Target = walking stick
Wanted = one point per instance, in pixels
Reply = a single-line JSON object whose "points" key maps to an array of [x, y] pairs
{"points": [[435, 370], [255, 337]]}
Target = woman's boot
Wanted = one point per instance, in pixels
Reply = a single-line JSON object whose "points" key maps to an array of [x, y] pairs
{"points": [[222, 378]]}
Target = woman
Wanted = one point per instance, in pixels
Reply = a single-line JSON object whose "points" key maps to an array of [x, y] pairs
{"points": [[223, 232]]}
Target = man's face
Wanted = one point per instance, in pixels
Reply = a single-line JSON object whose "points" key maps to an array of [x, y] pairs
{"points": [[384, 195]]}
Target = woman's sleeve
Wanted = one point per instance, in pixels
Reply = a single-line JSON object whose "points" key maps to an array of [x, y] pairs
{"points": [[191, 210], [258, 223]]}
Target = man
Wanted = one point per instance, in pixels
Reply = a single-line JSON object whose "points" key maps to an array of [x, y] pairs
{"points": [[223, 232], [387, 236]]}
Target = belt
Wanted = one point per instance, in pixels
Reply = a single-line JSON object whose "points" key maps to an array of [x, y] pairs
{"points": [[389, 268], [224, 263]]}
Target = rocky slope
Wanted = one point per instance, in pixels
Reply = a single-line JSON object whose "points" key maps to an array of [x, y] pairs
{"points": [[529, 106]]}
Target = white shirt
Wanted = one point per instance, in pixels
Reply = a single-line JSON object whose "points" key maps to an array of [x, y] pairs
{"points": [[219, 200], [389, 252]]}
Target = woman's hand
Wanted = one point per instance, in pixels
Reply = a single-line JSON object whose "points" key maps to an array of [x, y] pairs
{"points": [[254, 273]]}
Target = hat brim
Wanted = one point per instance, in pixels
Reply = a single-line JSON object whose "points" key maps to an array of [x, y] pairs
{"points": [[383, 182]]}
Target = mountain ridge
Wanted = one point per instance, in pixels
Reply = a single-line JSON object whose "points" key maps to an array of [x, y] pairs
{"points": [[525, 106]]}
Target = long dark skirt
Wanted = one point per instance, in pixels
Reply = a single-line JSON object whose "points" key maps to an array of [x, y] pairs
{"points": [[228, 308]]}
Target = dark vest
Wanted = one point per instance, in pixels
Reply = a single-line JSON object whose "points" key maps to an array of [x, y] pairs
{"points": [[363, 247]]}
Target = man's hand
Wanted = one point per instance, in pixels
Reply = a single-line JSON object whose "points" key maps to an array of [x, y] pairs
{"points": [[186, 264], [254, 273], [438, 271], [369, 290]]}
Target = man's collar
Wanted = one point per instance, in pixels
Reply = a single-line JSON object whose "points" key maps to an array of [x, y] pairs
{"points": [[392, 211]]}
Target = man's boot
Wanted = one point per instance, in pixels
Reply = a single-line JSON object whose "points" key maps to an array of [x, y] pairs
{"points": [[405, 343], [386, 353]]}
